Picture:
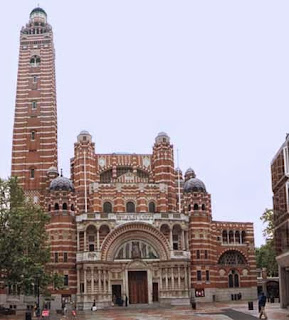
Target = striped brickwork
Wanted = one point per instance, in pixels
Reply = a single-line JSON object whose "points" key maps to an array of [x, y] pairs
{"points": [[35, 122]]}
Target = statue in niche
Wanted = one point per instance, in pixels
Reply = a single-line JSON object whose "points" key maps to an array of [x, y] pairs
{"points": [[120, 254], [151, 254], [143, 250], [135, 250]]}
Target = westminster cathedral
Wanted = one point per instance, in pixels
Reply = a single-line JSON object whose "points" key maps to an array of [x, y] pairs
{"points": [[122, 225]]}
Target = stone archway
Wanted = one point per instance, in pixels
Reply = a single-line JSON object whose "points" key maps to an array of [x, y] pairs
{"points": [[135, 231]]}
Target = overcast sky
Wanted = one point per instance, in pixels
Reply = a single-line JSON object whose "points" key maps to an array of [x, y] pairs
{"points": [[212, 74]]}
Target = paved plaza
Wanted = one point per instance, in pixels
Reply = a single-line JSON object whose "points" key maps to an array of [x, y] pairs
{"points": [[208, 311]]}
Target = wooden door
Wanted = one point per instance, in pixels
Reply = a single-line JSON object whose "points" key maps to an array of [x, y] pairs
{"points": [[138, 287], [155, 292]]}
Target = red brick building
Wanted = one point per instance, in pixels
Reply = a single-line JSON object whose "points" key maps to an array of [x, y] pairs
{"points": [[280, 187], [123, 224]]}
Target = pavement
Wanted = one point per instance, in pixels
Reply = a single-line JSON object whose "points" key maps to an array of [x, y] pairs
{"points": [[204, 311]]}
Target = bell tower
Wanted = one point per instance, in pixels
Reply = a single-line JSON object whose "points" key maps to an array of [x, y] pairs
{"points": [[34, 148]]}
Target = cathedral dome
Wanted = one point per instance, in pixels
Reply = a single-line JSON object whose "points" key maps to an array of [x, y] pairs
{"points": [[162, 137], [38, 10], [192, 183], [61, 183]]}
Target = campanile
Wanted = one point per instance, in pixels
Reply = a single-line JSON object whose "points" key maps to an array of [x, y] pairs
{"points": [[34, 148]]}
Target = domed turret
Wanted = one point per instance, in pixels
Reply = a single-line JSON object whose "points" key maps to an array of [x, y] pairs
{"points": [[61, 183], [52, 172], [192, 183], [38, 15], [162, 137], [190, 173], [84, 136]]}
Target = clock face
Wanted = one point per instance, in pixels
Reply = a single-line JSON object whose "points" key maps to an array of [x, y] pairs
{"points": [[101, 162]]}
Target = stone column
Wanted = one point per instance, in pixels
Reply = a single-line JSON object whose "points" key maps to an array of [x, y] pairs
{"points": [[92, 279], [186, 277], [183, 240], [97, 237], [104, 281], [84, 241], [161, 279], [78, 241], [167, 281], [99, 281], [173, 278], [234, 234], [78, 281], [284, 287], [85, 281], [171, 238], [179, 277]]}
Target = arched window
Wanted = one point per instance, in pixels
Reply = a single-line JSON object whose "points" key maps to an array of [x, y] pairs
{"points": [[130, 207], [237, 237], [225, 236], [232, 257], [243, 237], [56, 206], [196, 206], [107, 207], [231, 236], [64, 206], [72, 207], [233, 279], [35, 61], [106, 176], [203, 207], [32, 173], [152, 207], [231, 284]]}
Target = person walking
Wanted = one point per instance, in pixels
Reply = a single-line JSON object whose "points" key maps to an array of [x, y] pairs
{"points": [[262, 303]]}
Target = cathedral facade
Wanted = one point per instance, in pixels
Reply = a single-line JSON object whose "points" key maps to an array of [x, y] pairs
{"points": [[123, 225]]}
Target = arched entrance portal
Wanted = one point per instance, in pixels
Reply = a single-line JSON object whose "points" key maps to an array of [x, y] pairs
{"points": [[139, 250]]}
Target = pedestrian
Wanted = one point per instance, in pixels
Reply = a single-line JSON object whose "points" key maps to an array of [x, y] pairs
{"points": [[126, 300], [261, 304]]}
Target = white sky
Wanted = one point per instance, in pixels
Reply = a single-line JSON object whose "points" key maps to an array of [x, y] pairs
{"points": [[213, 74]]}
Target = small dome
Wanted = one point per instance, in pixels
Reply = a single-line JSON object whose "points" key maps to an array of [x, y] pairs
{"points": [[84, 136], [61, 183], [194, 185], [190, 173], [162, 137], [52, 170], [38, 9], [84, 132]]}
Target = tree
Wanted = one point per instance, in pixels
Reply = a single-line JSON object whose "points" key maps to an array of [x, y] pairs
{"points": [[24, 252], [268, 218], [266, 255]]}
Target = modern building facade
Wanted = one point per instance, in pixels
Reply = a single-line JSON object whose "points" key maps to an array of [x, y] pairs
{"points": [[280, 187], [123, 224]]}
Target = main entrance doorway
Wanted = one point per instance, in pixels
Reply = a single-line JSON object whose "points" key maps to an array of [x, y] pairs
{"points": [[138, 287]]}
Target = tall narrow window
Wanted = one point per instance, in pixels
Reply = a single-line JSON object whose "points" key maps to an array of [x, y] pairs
{"points": [[107, 207], [34, 105], [130, 207], [65, 257], [32, 135], [152, 207], [64, 206], [32, 173], [198, 254], [55, 256], [206, 254], [199, 275], [65, 280], [35, 78], [207, 275], [196, 206]]}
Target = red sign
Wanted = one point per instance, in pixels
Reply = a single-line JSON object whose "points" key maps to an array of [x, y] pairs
{"points": [[45, 313]]}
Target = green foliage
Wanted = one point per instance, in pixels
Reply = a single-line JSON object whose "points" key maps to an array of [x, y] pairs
{"points": [[266, 258], [266, 255], [268, 218], [23, 240]]}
